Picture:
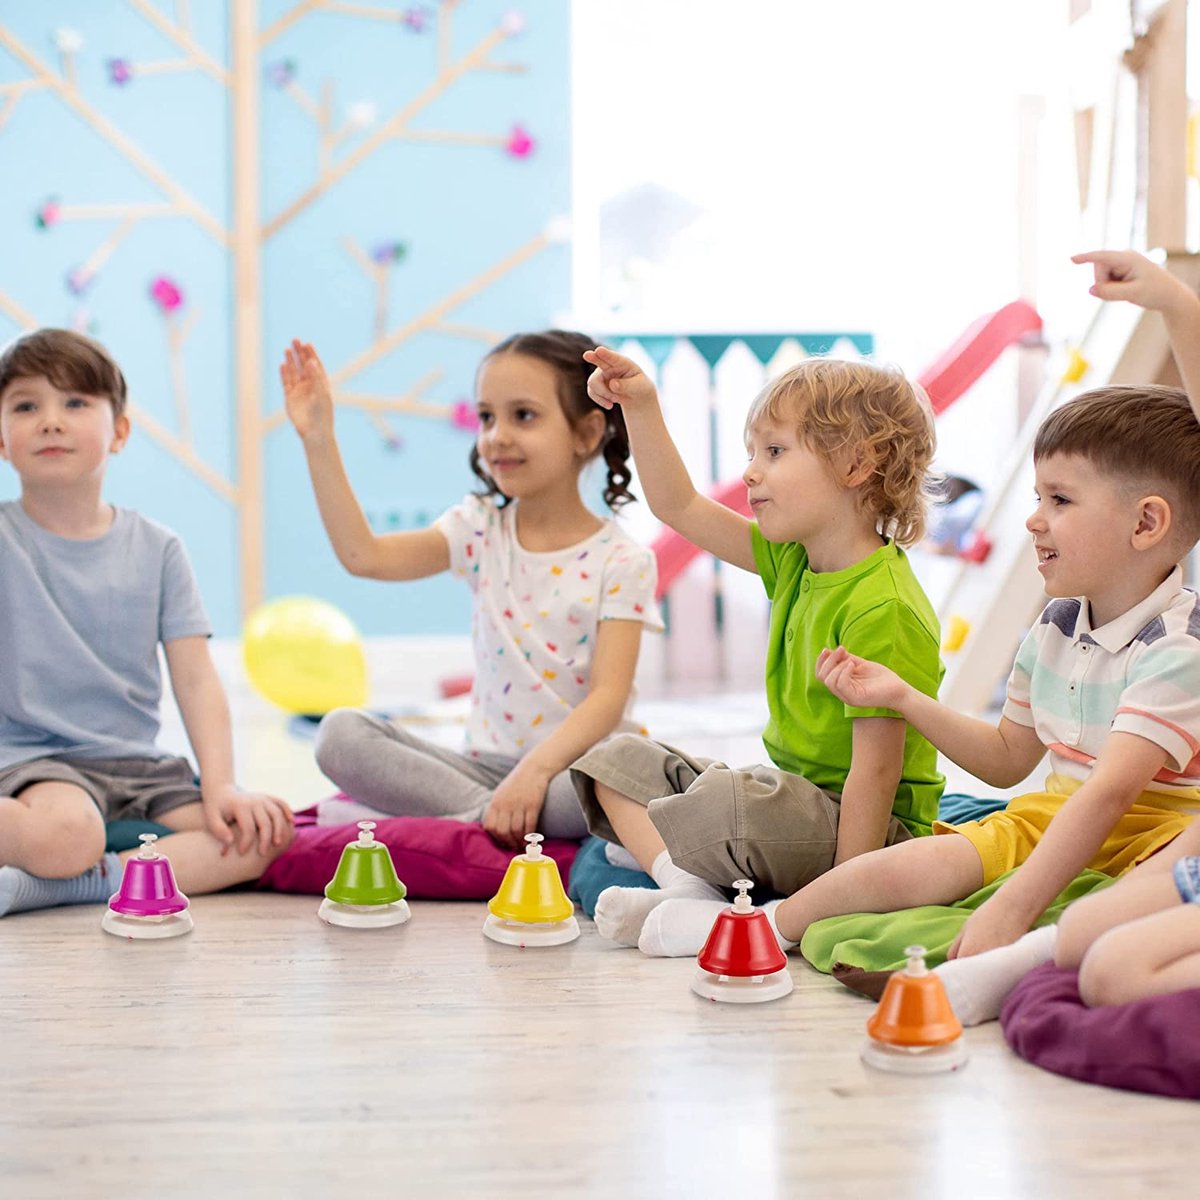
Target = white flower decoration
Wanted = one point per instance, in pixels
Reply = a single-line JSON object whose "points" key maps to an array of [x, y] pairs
{"points": [[362, 114], [68, 41]]}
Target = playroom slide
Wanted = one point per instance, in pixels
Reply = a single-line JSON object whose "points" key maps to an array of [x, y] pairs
{"points": [[674, 552], [980, 345], [945, 380]]}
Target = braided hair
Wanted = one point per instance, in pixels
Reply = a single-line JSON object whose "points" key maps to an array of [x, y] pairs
{"points": [[562, 350]]}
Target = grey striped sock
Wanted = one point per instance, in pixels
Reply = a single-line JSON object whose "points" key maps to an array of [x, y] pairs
{"points": [[22, 892]]}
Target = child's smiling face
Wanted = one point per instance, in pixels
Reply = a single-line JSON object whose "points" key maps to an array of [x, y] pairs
{"points": [[525, 442], [1082, 527], [57, 437]]}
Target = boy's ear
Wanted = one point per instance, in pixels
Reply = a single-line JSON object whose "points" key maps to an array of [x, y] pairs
{"points": [[121, 429], [857, 467], [1153, 524], [589, 432]]}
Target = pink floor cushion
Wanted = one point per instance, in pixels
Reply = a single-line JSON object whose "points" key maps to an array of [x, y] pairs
{"points": [[1150, 1045], [436, 859]]}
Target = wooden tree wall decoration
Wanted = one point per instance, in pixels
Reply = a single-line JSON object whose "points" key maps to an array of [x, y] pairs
{"points": [[344, 141]]}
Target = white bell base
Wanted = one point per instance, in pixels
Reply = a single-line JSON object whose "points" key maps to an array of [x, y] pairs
{"points": [[742, 989], [518, 933], [364, 916], [171, 925], [915, 1060]]}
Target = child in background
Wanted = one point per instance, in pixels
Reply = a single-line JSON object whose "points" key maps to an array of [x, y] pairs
{"points": [[956, 506], [839, 454], [88, 591], [561, 595]]}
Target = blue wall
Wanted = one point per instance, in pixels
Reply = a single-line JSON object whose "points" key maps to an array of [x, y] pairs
{"points": [[457, 206]]}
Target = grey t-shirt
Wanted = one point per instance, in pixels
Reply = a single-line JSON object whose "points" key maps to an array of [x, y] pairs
{"points": [[80, 623]]}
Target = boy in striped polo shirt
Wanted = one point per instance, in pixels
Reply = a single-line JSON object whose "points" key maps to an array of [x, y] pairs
{"points": [[1108, 680]]}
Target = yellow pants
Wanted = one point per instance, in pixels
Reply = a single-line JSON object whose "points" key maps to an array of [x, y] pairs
{"points": [[1006, 839]]}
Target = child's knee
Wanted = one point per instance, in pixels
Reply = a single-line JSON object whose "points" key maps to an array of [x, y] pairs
{"points": [[68, 846], [1104, 973], [337, 730], [1072, 940]]}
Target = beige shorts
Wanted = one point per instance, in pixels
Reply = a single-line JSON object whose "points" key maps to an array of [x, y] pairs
{"points": [[720, 823], [124, 789]]}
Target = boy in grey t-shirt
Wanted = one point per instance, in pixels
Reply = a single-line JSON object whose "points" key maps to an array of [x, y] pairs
{"points": [[87, 593]]}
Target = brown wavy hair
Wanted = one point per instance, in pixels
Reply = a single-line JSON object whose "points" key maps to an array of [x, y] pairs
{"points": [[562, 350], [874, 411], [72, 363]]}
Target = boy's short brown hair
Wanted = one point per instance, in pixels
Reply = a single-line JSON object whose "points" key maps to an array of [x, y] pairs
{"points": [[839, 405], [1145, 438], [72, 363]]}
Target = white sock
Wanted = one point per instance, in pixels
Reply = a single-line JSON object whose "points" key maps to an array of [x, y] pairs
{"points": [[618, 856], [22, 892], [977, 986], [621, 912], [679, 928]]}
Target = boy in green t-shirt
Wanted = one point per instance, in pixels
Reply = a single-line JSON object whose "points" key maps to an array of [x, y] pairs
{"points": [[839, 455]]}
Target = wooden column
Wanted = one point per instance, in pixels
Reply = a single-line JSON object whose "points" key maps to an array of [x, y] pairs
{"points": [[247, 298], [1165, 77]]}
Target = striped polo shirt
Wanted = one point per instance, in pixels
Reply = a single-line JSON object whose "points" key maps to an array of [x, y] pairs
{"points": [[1140, 673]]}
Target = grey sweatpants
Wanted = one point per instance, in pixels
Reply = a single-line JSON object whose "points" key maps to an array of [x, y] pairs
{"points": [[383, 765]]}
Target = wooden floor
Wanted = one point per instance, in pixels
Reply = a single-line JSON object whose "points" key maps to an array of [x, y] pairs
{"points": [[269, 1055]]}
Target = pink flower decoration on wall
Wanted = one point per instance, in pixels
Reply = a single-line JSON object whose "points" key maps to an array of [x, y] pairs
{"points": [[416, 18], [464, 416], [120, 71], [48, 213], [520, 144], [166, 294]]}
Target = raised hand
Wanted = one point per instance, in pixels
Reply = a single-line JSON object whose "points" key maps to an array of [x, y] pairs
{"points": [[307, 396], [859, 682], [1127, 275], [617, 379]]}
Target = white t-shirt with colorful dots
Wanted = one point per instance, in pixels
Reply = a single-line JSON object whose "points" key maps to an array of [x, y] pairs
{"points": [[535, 620]]}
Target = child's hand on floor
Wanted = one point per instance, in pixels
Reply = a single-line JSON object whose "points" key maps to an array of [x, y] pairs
{"points": [[859, 682], [252, 814], [617, 379], [1127, 275]]}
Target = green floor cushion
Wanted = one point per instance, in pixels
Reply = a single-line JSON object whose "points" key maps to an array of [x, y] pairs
{"points": [[876, 941], [123, 835]]}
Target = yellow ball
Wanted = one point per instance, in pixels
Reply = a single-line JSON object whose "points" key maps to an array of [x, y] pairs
{"points": [[305, 656]]}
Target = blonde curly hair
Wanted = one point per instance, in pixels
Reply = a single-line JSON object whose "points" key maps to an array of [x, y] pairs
{"points": [[872, 412]]}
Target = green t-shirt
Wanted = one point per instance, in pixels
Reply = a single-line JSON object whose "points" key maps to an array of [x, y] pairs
{"points": [[877, 610]]}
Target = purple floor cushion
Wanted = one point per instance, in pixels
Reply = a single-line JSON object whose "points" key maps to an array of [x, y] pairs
{"points": [[1150, 1045], [436, 859]]}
